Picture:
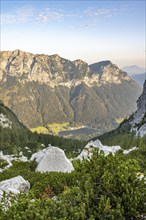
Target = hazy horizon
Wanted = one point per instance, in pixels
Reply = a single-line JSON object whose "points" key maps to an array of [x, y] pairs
{"points": [[87, 30]]}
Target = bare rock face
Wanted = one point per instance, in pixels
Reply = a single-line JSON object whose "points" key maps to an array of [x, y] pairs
{"points": [[4, 121], [141, 102], [52, 159], [138, 121], [109, 73], [42, 89]]}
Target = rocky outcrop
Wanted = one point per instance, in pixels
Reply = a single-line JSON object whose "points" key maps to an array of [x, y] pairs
{"points": [[109, 73], [87, 152], [11, 187], [7, 160], [141, 102], [4, 121], [138, 121], [42, 89], [15, 185], [89, 149], [8, 120], [52, 159]]}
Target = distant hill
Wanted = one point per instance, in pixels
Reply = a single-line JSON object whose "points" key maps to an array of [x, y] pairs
{"points": [[139, 78], [132, 70], [137, 73]]}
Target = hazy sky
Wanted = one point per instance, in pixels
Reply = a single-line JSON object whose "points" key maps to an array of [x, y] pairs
{"points": [[89, 30]]}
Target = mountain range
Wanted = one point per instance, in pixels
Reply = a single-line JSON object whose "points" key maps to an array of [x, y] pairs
{"points": [[42, 90], [137, 73], [139, 78], [134, 69]]}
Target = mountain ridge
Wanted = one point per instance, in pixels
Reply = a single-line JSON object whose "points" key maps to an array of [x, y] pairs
{"points": [[44, 89], [52, 67]]}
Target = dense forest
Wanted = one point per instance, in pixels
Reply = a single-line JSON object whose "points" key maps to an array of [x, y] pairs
{"points": [[18, 137], [16, 140]]}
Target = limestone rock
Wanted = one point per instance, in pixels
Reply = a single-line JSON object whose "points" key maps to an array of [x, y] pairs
{"points": [[141, 102], [14, 185], [7, 160], [10, 158], [128, 151], [87, 152], [4, 121], [10, 188], [52, 159], [138, 122]]}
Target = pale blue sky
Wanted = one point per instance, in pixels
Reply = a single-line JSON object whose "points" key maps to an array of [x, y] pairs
{"points": [[89, 30]]}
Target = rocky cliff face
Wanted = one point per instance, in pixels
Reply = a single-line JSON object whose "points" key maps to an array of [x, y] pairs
{"points": [[138, 122], [44, 89], [54, 70], [141, 102]]}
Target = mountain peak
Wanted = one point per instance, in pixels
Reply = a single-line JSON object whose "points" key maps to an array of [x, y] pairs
{"points": [[96, 67], [56, 56], [79, 61], [105, 63], [18, 52], [81, 65]]}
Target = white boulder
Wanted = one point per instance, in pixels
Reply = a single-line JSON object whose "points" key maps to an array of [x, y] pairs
{"points": [[128, 151], [14, 185], [38, 156], [10, 188], [52, 159]]}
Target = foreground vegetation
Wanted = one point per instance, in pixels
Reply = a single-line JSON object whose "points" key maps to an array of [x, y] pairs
{"points": [[99, 188]]}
